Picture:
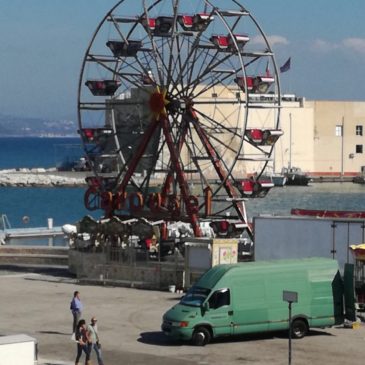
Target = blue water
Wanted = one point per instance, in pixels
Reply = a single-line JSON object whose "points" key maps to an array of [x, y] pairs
{"points": [[37, 152], [65, 205]]}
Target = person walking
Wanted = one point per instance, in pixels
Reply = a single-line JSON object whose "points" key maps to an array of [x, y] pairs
{"points": [[76, 310], [83, 342], [93, 331]]}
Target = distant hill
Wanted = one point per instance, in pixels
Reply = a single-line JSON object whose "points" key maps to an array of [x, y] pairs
{"points": [[21, 126]]}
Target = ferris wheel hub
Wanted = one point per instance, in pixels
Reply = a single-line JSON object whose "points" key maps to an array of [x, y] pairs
{"points": [[158, 102]]}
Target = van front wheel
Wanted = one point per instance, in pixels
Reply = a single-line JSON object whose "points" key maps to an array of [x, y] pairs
{"points": [[299, 328], [201, 336]]}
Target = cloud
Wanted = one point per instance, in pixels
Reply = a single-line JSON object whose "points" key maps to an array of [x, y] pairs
{"points": [[273, 40], [324, 46], [354, 44]]}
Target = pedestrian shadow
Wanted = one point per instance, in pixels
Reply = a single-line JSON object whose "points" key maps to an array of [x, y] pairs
{"points": [[55, 333], [157, 338]]}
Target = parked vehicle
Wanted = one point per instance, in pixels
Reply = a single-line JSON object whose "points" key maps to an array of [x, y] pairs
{"points": [[248, 297]]}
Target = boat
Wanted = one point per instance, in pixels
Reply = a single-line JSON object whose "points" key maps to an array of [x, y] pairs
{"points": [[295, 176], [360, 178], [276, 178], [328, 213], [279, 179]]}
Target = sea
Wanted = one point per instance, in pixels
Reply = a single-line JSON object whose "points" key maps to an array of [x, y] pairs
{"points": [[30, 207], [65, 205]]}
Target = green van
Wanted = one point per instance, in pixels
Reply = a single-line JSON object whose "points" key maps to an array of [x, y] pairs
{"points": [[248, 297]]}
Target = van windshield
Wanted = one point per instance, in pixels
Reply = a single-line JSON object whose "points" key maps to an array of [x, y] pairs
{"points": [[195, 296]]}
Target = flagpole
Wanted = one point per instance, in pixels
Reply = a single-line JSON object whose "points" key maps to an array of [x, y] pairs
{"points": [[290, 139]]}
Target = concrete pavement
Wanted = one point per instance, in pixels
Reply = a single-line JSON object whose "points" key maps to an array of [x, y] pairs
{"points": [[129, 325]]}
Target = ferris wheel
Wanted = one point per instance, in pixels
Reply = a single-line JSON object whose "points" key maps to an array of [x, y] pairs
{"points": [[179, 110]]}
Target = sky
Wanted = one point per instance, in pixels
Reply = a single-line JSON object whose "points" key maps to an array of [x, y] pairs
{"points": [[43, 42]]}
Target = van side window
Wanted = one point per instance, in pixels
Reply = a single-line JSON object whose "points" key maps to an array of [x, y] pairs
{"points": [[220, 298]]}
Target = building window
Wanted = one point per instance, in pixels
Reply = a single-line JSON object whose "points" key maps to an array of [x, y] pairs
{"points": [[359, 148], [338, 130], [359, 130]]}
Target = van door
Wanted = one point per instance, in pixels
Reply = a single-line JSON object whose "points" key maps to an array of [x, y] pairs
{"points": [[250, 305], [219, 314]]}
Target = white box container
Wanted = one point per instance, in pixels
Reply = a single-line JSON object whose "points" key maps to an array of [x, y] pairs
{"points": [[18, 350]]}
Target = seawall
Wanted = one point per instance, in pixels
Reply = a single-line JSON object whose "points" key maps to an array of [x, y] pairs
{"points": [[40, 177]]}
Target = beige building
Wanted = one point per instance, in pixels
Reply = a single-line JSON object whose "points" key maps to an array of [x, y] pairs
{"points": [[323, 138]]}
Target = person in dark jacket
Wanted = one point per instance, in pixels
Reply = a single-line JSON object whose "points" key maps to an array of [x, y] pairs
{"points": [[84, 343]]}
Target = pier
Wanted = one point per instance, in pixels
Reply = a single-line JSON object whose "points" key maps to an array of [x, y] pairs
{"points": [[10, 233]]}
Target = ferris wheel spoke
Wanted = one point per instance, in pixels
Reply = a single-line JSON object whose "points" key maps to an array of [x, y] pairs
{"points": [[156, 56], [217, 163], [173, 40], [214, 82], [220, 125], [172, 84], [117, 28], [179, 78], [101, 62], [146, 71], [189, 86], [212, 151], [219, 141], [187, 74], [196, 59], [192, 49], [184, 187], [207, 70]]}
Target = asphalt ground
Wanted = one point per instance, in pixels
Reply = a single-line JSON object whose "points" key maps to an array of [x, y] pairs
{"points": [[129, 326]]}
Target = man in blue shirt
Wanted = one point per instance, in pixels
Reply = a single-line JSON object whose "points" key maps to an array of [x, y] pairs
{"points": [[76, 309]]}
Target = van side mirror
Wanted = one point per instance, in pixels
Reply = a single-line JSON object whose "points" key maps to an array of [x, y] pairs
{"points": [[205, 306]]}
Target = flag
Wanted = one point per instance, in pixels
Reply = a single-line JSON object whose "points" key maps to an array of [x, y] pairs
{"points": [[286, 66]]}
